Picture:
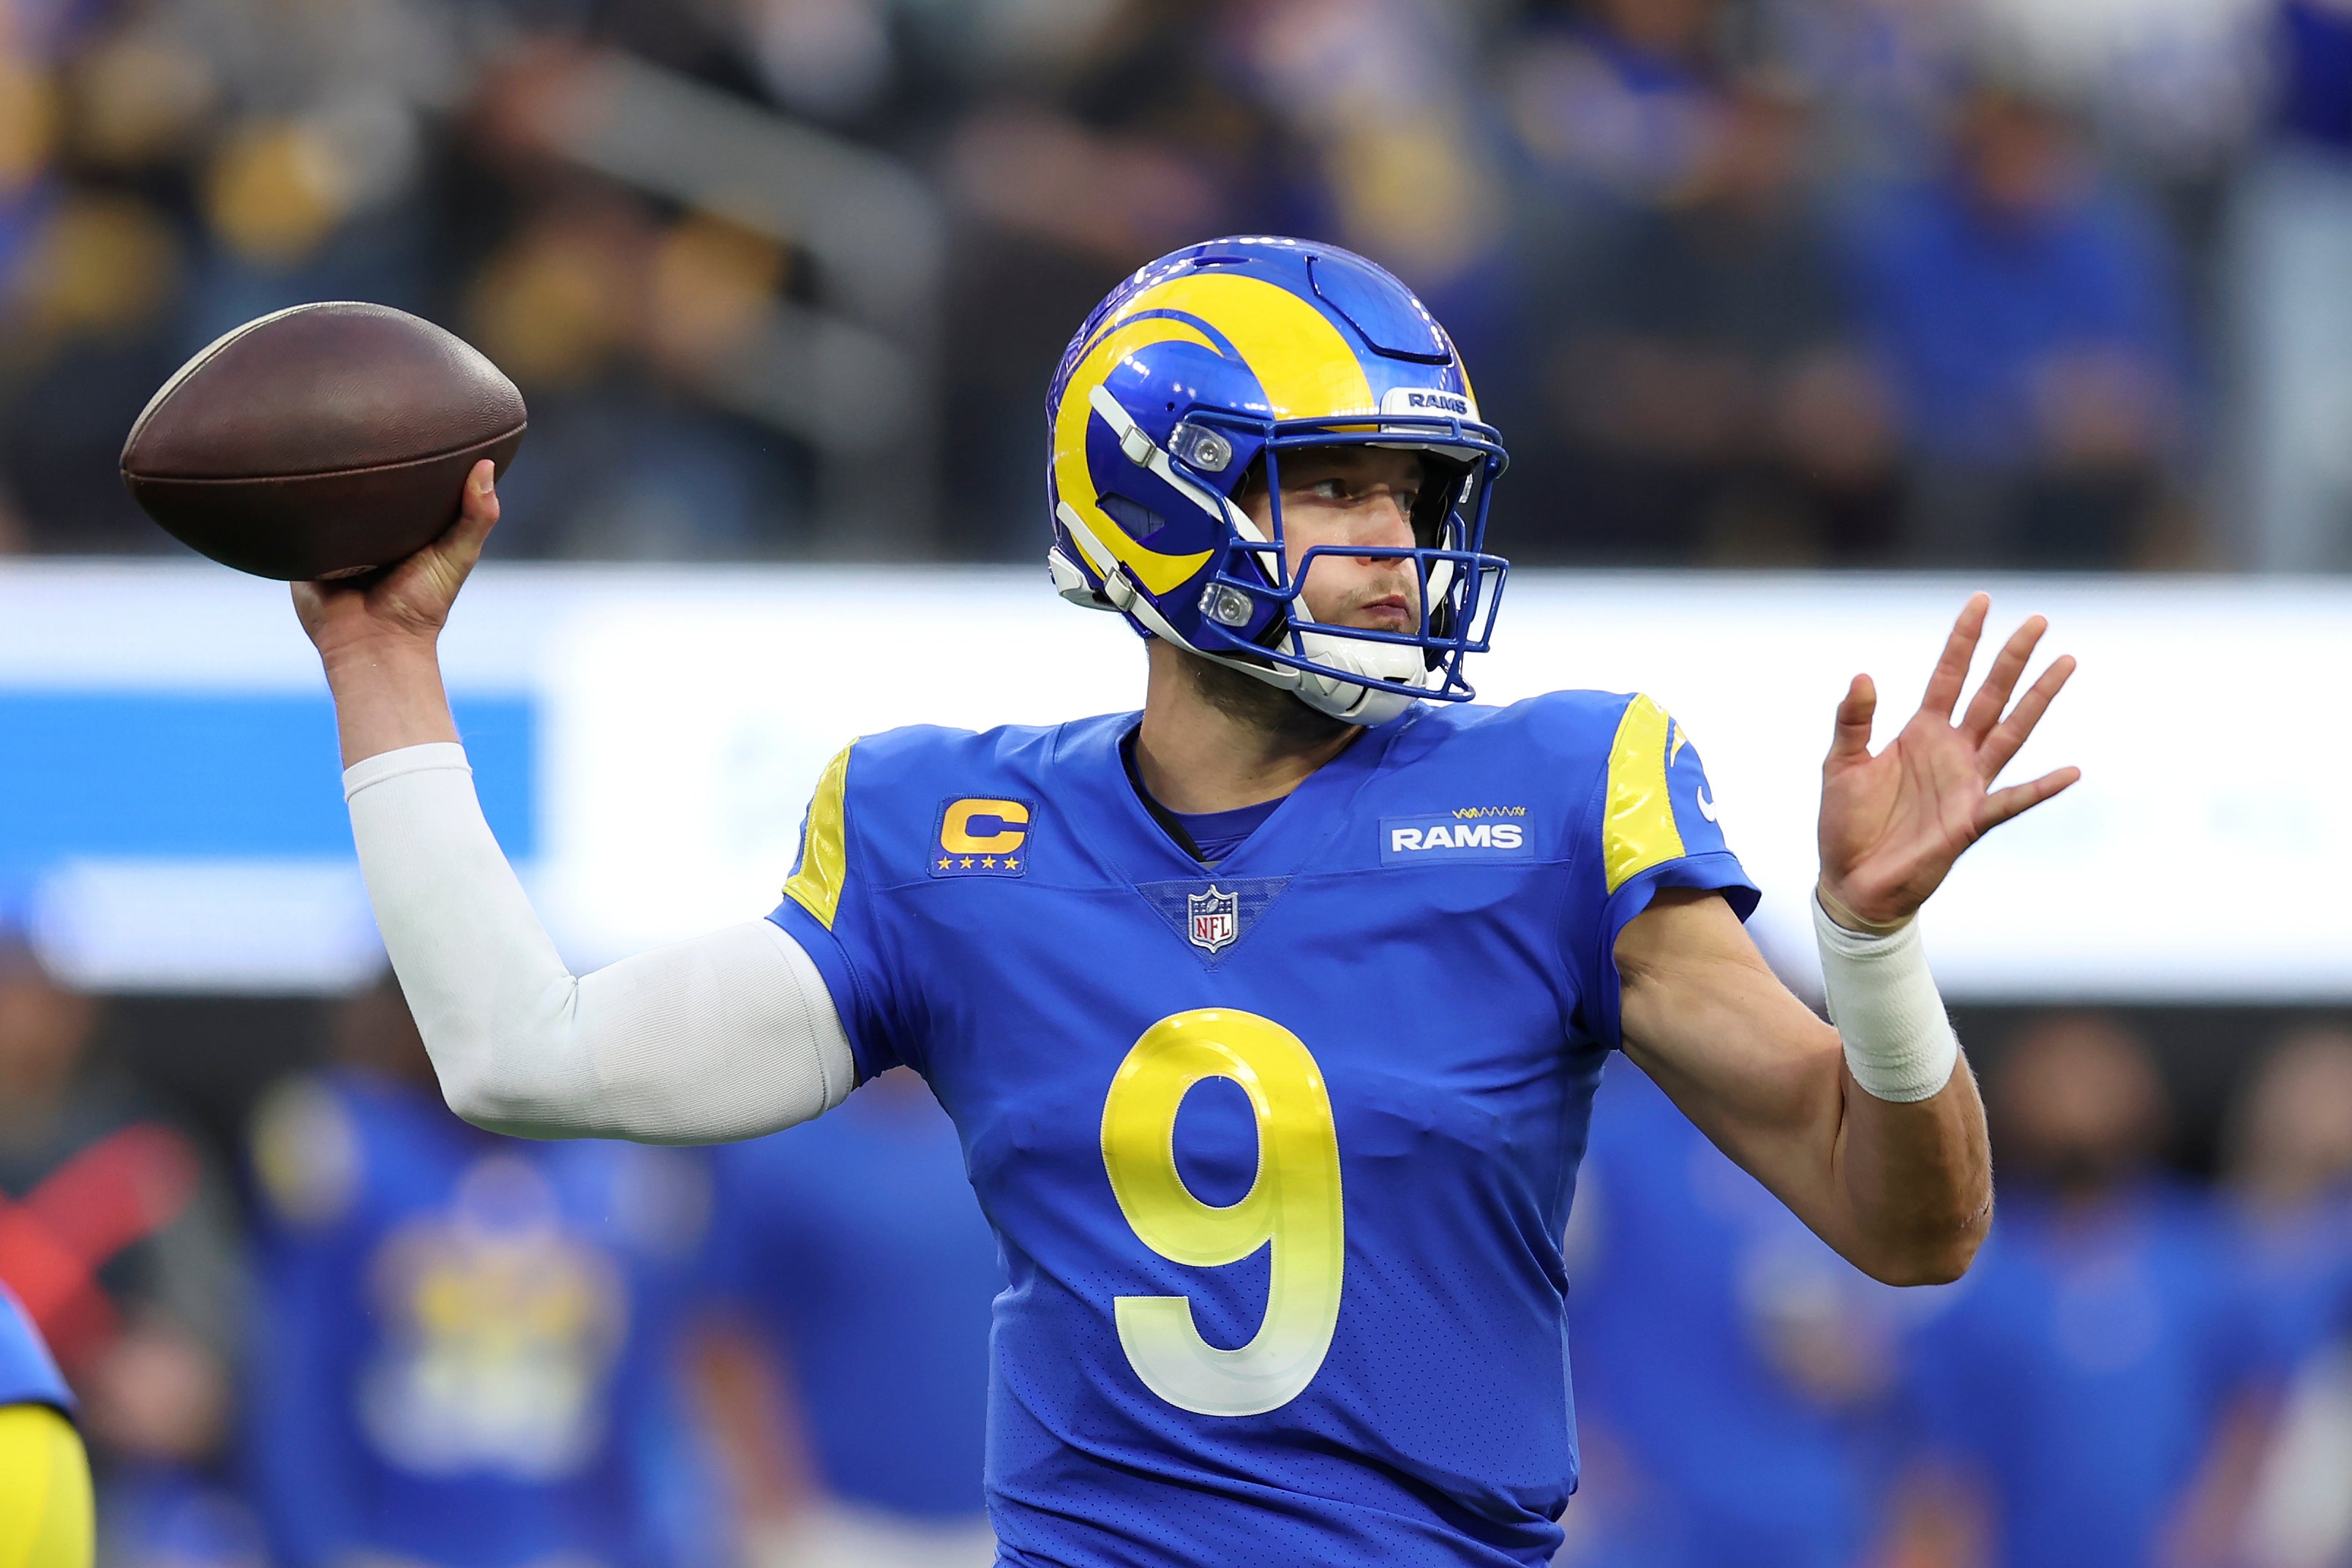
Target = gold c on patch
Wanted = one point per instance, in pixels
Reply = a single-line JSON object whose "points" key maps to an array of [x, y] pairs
{"points": [[981, 836]]}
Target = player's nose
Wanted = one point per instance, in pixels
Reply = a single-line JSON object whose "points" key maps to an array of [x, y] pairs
{"points": [[1382, 523]]}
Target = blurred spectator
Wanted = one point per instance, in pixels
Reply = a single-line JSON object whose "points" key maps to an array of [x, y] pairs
{"points": [[1704, 375], [582, 296], [1599, 197], [2291, 252], [1886, 74], [115, 1233], [2291, 1167], [1076, 163], [1732, 1373], [1376, 105], [850, 1386], [463, 1353], [2093, 1392], [45, 1494], [2171, 89], [2026, 314], [1615, 100]]}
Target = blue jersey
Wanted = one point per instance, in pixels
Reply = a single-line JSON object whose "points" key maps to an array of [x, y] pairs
{"points": [[462, 1348], [2298, 1265], [855, 1243], [1740, 1367], [1277, 1154], [2081, 1370], [27, 1374]]}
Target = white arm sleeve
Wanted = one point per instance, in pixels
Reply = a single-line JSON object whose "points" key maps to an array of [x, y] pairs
{"points": [[728, 1036]]}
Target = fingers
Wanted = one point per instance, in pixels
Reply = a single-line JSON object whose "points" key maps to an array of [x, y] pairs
{"points": [[1850, 742], [1985, 708], [2019, 799], [1952, 670], [2011, 735]]}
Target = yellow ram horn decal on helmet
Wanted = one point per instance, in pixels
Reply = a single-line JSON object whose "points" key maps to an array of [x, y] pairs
{"points": [[1306, 369]]}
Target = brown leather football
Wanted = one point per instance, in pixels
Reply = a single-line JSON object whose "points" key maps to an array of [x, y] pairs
{"points": [[321, 440]]}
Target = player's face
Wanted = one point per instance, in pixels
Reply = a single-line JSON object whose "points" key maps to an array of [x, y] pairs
{"points": [[1342, 495]]}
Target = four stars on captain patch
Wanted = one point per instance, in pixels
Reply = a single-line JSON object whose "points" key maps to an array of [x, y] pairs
{"points": [[982, 836]]}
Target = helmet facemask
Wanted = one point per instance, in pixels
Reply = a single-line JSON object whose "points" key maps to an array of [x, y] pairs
{"points": [[1255, 616]]}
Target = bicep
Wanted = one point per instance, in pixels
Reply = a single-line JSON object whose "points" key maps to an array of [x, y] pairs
{"points": [[1743, 1058]]}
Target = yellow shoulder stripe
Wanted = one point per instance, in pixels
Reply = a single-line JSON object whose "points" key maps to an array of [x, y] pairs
{"points": [[45, 1502], [1637, 825], [825, 851]]}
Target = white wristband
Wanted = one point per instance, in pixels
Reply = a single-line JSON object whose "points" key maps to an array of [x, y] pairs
{"points": [[1898, 1043]]}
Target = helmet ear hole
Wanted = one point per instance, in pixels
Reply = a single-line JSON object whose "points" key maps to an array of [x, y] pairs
{"points": [[1444, 486]]}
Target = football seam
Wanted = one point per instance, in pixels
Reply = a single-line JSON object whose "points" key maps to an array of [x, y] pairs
{"points": [[206, 357], [131, 473]]}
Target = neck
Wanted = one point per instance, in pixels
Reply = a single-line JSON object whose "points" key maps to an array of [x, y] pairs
{"points": [[1215, 740]]}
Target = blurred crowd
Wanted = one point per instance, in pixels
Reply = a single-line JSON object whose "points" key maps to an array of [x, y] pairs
{"points": [[372, 1336], [1980, 282]]}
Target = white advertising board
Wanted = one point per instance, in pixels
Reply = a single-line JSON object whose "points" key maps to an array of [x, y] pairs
{"points": [[677, 719]]}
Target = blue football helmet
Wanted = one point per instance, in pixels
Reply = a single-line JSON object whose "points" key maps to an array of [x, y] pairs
{"points": [[1200, 371]]}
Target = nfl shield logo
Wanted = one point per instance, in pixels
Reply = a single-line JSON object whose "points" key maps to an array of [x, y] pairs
{"points": [[1215, 918]]}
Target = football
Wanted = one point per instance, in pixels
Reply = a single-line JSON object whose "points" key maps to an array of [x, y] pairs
{"points": [[321, 441]]}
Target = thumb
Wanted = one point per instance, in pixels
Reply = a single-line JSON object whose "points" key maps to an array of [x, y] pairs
{"points": [[477, 514], [450, 559]]}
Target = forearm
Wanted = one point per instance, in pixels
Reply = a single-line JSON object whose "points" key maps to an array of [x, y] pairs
{"points": [[1915, 1178], [729, 1036], [1900, 1190], [1913, 1160]]}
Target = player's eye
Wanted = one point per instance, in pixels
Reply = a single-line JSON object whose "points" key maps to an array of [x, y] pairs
{"points": [[1329, 489]]}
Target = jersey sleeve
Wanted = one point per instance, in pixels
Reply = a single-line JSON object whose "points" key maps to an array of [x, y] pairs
{"points": [[1651, 823], [829, 909], [27, 1375]]}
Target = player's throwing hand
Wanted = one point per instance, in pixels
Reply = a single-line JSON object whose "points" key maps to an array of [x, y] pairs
{"points": [[1892, 824], [410, 601], [377, 635]]}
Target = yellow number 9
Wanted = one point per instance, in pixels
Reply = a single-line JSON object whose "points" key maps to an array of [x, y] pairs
{"points": [[1294, 1202]]}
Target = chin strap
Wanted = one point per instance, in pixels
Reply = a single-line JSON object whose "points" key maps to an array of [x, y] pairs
{"points": [[1346, 700]]}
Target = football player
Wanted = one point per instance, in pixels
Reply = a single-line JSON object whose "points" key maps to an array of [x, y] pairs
{"points": [[461, 1345], [45, 1495], [1269, 1017]]}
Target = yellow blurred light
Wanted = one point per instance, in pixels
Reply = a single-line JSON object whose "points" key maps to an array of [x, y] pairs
{"points": [[712, 283], [554, 304], [28, 119], [134, 102], [1413, 194], [276, 190], [102, 264]]}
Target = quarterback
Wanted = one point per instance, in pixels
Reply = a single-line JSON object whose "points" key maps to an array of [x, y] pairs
{"points": [[1270, 1016]]}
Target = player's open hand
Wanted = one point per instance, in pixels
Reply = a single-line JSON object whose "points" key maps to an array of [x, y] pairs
{"points": [[410, 601], [1892, 824]]}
